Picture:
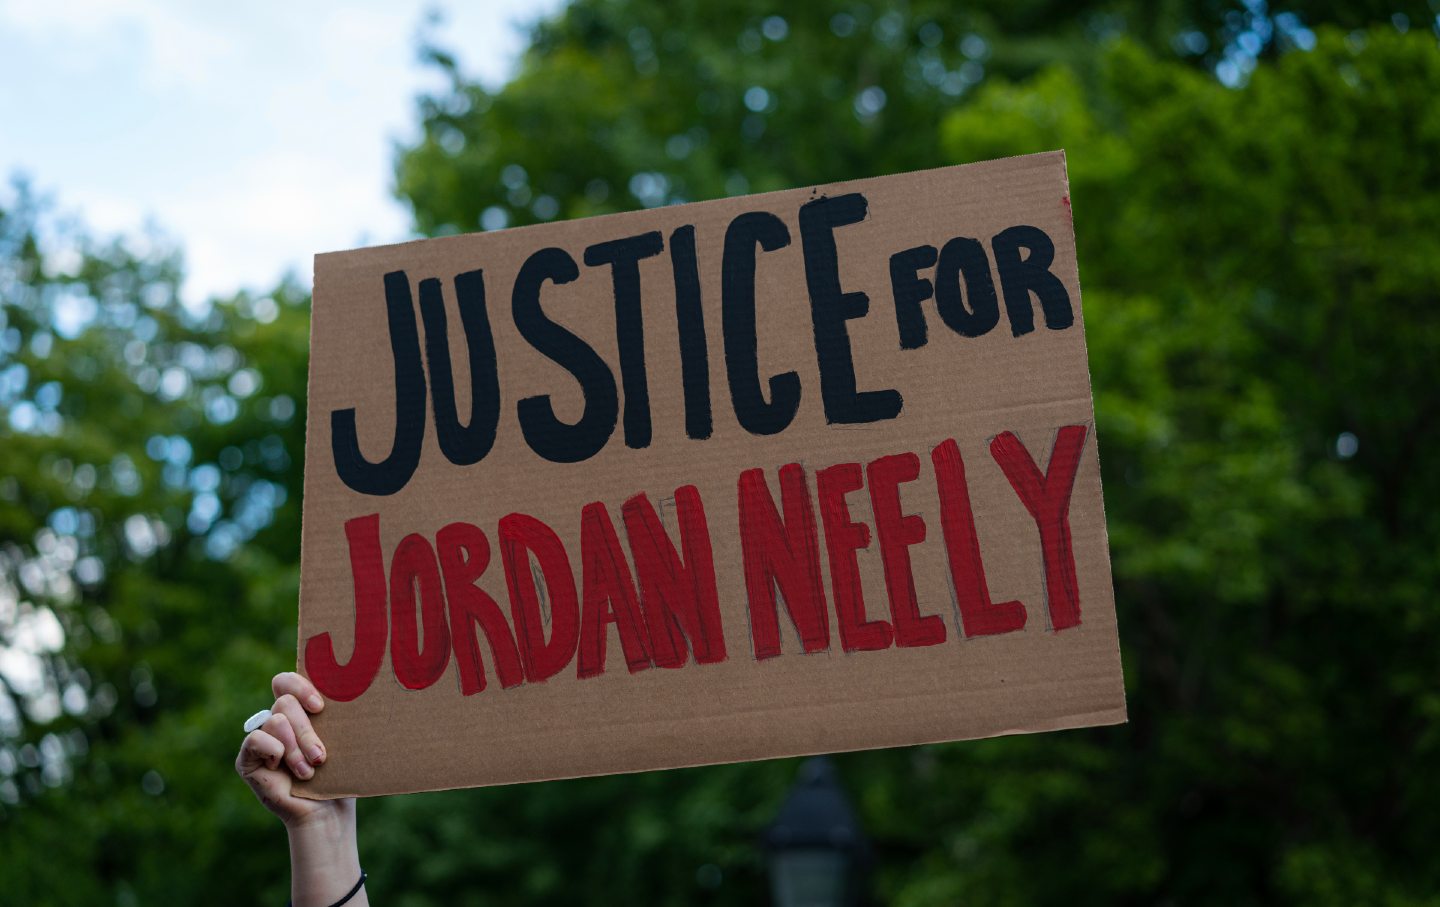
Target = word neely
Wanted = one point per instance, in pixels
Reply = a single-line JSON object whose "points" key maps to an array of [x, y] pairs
{"points": [[764, 405], [669, 607]]}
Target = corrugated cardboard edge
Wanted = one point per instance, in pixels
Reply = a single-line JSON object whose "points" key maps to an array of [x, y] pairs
{"points": [[1124, 710], [306, 478]]}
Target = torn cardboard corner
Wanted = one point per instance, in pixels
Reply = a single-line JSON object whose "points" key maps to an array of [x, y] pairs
{"points": [[791, 473]]}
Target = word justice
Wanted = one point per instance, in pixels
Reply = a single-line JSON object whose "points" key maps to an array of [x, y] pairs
{"points": [[667, 610]]}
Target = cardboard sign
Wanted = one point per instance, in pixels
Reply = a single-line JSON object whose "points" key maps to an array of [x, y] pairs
{"points": [[791, 473]]}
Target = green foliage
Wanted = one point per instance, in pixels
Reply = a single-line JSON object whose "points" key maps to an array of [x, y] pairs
{"points": [[149, 518], [619, 105], [1257, 279], [1260, 267]]}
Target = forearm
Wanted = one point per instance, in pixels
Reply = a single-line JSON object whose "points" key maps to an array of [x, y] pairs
{"points": [[324, 861]]}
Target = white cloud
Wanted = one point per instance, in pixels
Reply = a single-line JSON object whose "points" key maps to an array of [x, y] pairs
{"points": [[282, 207], [174, 49], [255, 134]]}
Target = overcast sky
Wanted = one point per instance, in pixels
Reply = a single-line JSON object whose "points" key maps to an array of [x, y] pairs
{"points": [[255, 133]]}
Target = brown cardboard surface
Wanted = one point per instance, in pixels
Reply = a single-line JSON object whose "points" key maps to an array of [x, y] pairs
{"points": [[973, 390]]}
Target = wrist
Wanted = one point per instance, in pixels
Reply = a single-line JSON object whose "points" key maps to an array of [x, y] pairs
{"points": [[335, 819], [324, 859]]}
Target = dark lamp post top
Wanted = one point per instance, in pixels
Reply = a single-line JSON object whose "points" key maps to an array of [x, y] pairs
{"points": [[816, 814], [817, 851]]}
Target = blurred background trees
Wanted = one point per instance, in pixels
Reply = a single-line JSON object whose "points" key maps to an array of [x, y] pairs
{"points": [[1255, 191]]}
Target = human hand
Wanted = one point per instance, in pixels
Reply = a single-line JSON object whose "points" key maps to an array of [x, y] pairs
{"points": [[323, 855], [284, 748]]}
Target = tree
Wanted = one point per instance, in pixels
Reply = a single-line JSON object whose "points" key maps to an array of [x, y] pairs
{"points": [[1250, 256], [621, 104], [149, 510]]}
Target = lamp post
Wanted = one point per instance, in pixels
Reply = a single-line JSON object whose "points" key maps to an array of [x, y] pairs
{"points": [[816, 849]]}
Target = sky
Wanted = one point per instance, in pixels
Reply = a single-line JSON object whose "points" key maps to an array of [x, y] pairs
{"points": [[254, 134]]}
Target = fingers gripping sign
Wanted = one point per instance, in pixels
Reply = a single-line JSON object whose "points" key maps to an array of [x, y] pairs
{"points": [[284, 747], [299, 687]]}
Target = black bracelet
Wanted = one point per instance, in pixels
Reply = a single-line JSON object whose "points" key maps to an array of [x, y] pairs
{"points": [[353, 891]]}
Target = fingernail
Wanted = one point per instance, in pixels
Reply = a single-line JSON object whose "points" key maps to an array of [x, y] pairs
{"points": [[304, 770], [316, 702], [317, 755]]}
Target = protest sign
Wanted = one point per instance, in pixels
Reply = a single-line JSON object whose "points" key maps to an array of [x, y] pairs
{"points": [[807, 471]]}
